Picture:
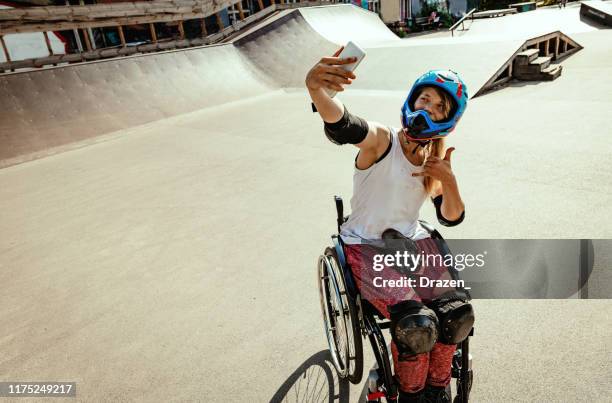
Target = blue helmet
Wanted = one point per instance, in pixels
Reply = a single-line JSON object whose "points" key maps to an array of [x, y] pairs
{"points": [[418, 123]]}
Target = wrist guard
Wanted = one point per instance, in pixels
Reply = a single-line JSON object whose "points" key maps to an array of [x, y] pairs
{"points": [[447, 223]]}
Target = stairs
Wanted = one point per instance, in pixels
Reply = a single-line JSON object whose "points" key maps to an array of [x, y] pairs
{"points": [[529, 66]]}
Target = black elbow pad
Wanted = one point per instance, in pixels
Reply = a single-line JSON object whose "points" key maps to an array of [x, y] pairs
{"points": [[438, 204], [350, 129]]}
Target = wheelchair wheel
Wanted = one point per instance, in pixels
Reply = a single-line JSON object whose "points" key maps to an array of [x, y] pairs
{"points": [[460, 385], [463, 380], [340, 319], [385, 382]]}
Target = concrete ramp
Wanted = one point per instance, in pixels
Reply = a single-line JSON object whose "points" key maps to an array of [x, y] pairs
{"points": [[390, 65], [284, 48], [342, 23], [525, 25], [50, 108], [57, 107], [475, 62], [598, 11], [106, 96]]}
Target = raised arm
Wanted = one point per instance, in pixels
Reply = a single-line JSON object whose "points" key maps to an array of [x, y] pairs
{"points": [[342, 127], [327, 74], [450, 209]]}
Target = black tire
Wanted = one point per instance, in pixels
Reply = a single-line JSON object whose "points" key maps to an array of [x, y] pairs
{"points": [[340, 319], [334, 329], [355, 341]]}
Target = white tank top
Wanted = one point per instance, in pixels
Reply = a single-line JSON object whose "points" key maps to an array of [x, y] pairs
{"points": [[386, 195]]}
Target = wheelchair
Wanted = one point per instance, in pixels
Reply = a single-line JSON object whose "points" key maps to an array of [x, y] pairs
{"points": [[348, 318]]}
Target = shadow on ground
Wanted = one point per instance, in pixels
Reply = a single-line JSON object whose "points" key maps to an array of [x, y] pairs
{"points": [[315, 380]]}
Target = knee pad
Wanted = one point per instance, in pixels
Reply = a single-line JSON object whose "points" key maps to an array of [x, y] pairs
{"points": [[414, 327], [456, 317]]}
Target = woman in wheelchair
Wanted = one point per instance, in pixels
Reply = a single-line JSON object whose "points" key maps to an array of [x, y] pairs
{"points": [[396, 170]]}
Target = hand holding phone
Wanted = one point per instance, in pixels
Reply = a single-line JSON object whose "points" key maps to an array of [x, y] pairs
{"points": [[350, 50]]}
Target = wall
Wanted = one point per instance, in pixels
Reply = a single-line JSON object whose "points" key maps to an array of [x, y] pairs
{"points": [[390, 10]]}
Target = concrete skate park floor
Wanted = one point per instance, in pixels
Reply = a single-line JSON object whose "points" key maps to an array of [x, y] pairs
{"points": [[168, 265], [175, 261]]}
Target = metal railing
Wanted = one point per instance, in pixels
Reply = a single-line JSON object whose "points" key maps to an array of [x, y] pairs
{"points": [[460, 22]]}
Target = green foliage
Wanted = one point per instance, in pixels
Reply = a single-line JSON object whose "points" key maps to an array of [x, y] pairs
{"points": [[427, 7], [484, 5], [445, 17]]}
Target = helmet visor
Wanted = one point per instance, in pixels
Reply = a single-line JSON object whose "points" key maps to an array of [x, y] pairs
{"points": [[419, 126]]}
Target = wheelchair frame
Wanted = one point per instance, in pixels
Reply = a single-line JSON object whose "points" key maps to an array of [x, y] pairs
{"points": [[347, 318]]}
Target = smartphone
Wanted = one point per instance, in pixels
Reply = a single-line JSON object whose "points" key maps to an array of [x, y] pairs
{"points": [[350, 50]]}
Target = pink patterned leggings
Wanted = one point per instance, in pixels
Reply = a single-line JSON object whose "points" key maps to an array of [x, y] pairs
{"points": [[414, 371]]}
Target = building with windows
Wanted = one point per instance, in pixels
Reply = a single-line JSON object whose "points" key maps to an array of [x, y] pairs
{"points": [[392, 11]]}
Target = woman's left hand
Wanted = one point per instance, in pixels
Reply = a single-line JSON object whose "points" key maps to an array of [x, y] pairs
{"points": [[439, 168]]}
